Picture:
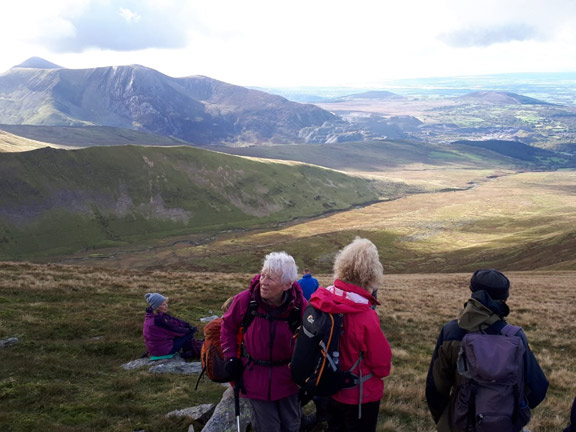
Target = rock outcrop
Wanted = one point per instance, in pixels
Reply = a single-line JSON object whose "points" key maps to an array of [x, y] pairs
{"points": [[222, 418], [175, 365], [8, 342]]}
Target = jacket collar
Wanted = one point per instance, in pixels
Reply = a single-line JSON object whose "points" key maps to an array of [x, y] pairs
{"points": [[481, 311], [365, 296]]}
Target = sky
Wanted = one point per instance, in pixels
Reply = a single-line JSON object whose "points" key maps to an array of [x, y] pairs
{"points": [[280, 43]]}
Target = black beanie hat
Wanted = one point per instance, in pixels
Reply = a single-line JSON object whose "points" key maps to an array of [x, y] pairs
{"points": [[492, 281]]}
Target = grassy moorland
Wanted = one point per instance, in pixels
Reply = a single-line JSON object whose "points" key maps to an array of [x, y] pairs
{"points": [[13, 143], [80, 136], [523, 222], [78, 325], [58, 202]]}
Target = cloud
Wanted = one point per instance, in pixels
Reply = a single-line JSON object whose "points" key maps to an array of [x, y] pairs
{"points": [[129, 16], [126, 25], [486, 36]]}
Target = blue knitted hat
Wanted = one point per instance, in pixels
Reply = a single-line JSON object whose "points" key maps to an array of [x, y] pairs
{"points": [[154, 299]]}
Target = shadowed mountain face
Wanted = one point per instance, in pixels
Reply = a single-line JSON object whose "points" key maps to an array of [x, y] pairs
{"points": [[196, 109]]}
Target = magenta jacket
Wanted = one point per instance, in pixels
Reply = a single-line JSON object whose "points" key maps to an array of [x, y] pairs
{"points": [[267, 341], [160, 330], [362, 333]]}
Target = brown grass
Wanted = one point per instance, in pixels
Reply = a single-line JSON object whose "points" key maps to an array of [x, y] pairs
{"points": [[44, 304], [414, 308]]}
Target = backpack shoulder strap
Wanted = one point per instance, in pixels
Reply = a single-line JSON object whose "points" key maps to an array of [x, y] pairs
{"points": [[294, 317], [249, 315], [510, 330]]}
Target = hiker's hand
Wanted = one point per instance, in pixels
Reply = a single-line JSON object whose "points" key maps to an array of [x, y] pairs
{"points": [[234, 368]]}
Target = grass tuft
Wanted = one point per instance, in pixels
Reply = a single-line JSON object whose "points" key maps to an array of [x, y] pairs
{"points": [[78, 325]]}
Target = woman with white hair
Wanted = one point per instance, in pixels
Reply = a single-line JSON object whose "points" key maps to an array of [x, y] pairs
{"points": [[364, 349], [257, 357]]}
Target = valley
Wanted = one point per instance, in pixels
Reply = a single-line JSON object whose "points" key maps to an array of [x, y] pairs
{"points": [[118, 181], [522, 221]]}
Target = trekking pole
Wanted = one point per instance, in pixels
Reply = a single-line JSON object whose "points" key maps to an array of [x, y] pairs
{"points": [[237, 403]]}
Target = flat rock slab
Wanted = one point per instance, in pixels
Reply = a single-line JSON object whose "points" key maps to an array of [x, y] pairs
{"points": [[200, 413], [8, 342], [182, 368], [175, 365]]}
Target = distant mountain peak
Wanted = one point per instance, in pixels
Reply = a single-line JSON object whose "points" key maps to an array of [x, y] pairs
{"points": [[197, 110], [37, 63], [502, 97]]}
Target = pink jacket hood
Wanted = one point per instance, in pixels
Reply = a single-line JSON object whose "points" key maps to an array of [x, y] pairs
{"points": [[342, 297]]}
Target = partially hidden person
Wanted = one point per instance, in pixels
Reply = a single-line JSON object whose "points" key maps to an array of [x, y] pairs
{"points": [[164, 334], [364, 350], [572, 426], [456, 391], [257, 360], [308, 284]]}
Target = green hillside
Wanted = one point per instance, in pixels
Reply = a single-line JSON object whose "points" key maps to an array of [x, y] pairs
{"points": [[383, 155], [14, 143], [517, 222], [58, 201], [89, 136], [358, 156]]}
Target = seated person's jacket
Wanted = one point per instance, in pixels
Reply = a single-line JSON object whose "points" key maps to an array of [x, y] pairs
{"points": [[160, 330]]}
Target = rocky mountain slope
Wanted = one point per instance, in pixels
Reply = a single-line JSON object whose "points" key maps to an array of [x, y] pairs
{"points": [[197, 109]]}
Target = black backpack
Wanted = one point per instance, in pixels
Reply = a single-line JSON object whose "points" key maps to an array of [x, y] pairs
{"points": [[315, 360]]}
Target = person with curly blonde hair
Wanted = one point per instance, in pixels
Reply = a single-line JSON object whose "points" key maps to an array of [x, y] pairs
{"points": [[364, 349]]}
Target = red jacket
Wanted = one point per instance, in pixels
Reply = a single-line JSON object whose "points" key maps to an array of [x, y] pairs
{"points": [[362, 333], [266, 340]]}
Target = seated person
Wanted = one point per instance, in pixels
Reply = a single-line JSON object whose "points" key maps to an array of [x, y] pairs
{"points": [[165, 334]]}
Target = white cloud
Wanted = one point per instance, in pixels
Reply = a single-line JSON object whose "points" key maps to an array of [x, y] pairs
{"points": [[297, 42], [128, 15], [478, 37]]}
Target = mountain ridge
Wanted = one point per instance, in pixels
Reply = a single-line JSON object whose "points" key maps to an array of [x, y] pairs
{"points": [[502, 97], [197, 109]]}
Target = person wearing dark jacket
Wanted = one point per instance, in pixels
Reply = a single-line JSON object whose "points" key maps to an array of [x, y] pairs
{"points": [[572, 426], [165, 334], [485, 311]]}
